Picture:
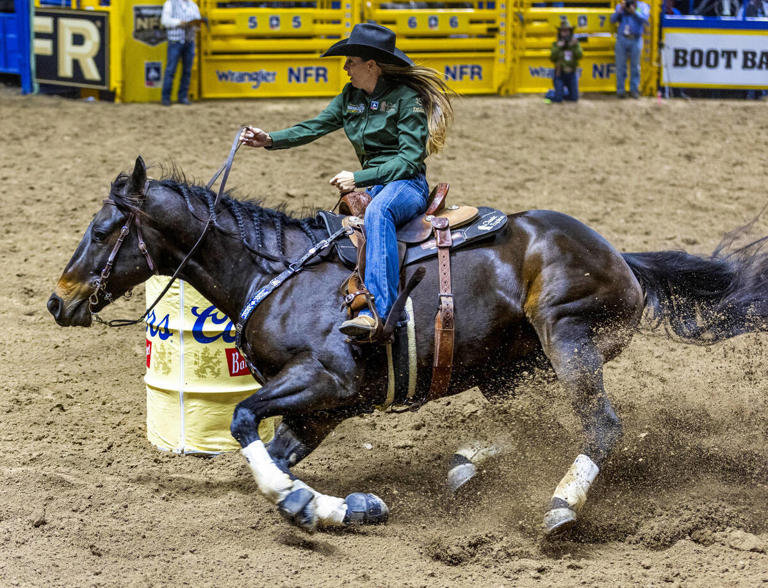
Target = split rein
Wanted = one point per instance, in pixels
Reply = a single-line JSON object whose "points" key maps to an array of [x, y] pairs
{"points": [[292, 267]]}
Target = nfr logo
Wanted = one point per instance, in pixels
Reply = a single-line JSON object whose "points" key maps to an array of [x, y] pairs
{"points": [[302, 75], [433, 22], [459, 73], [274, 22], [603, 71], [146, 25], [70, 48]]}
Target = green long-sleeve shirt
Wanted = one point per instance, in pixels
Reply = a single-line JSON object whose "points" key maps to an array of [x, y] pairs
{"points": [[388, 130], [566, 58]]}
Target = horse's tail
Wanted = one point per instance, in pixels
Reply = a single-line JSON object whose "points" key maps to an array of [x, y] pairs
{"points": [[706, 299]]}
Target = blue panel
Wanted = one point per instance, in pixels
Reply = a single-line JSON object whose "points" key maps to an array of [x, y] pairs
{"points": [[15, 43], [713, 22]]}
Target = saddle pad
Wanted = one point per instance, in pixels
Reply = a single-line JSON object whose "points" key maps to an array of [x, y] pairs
{"points": [[488, 221], [344, 246]]}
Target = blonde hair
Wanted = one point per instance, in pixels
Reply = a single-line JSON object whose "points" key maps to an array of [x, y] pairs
{"points": [[435, 95]]}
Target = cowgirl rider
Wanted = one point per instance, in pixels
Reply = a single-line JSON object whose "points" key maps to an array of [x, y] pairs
{"points": [[395, 114]]}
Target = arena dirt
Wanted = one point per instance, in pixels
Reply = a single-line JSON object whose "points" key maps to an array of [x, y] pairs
{"points": [[85, 500]]}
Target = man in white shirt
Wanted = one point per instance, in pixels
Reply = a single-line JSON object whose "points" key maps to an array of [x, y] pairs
{"points": [[180, 19]]}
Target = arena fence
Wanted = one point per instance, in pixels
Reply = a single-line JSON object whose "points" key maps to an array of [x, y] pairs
{"points": [[466, 40], [273, 48], [535, 31]]}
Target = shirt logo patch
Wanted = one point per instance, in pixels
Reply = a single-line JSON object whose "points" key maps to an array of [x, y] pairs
{"points": [[374, 104], [358, 108]]}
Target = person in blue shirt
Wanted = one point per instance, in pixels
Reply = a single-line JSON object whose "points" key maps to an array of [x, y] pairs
{"points": [[631, 16]]}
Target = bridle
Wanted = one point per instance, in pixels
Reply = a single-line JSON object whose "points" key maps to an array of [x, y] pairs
{"points": [[99, 283]]}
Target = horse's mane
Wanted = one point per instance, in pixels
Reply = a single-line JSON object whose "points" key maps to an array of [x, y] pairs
{"points": [[249, 215]]}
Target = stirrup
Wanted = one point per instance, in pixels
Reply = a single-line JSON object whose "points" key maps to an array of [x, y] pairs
{"points": [[358, 333]]}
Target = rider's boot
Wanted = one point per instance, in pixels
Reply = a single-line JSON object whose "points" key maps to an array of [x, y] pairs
{"points": [[363, 327]]}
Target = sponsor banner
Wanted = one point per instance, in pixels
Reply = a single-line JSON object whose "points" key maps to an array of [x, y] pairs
{"points": [[260, 76], [71, 47], [466, 73], [712, 58], [596, 74]]}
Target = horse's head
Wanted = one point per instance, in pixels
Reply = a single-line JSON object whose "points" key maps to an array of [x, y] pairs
{"points": [[111, 257]]}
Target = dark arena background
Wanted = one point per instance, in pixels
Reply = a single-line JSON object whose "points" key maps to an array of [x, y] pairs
{"points": [[86, 500]]}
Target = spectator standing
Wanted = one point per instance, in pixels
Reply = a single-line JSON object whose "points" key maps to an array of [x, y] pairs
{"points": [[180, 19], [631, 16], [565, 55]]}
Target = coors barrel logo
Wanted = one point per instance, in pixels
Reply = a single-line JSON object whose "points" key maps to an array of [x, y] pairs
{"points": [[227, 334]]}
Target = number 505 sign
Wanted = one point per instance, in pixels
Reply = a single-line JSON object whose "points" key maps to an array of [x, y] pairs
{"points": [[282, 23]]}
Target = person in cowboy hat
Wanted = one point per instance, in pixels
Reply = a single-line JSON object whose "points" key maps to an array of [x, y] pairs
{"points": [[395, 113], [565, 55]]}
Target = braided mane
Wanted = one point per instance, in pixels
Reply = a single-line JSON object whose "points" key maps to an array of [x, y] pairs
{"points": [[249, 216]]}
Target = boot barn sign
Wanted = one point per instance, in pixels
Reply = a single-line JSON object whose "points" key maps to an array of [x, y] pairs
{"points": [[701, 52]]}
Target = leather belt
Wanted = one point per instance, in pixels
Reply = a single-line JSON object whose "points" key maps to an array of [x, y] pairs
{"points": [[444, 319]]}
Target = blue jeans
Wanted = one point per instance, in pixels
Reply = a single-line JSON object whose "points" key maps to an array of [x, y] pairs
{"points": [[185, 52], [628, 47], [566, 80], [393, 205]]}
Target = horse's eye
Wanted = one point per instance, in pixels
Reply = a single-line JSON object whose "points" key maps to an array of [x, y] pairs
{"points": [[99, 235]]}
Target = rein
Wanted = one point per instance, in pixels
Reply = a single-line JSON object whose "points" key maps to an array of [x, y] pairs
{"points": [[100, 283]]}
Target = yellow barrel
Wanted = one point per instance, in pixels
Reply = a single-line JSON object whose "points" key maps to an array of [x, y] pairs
{"points": [[195, 375]]}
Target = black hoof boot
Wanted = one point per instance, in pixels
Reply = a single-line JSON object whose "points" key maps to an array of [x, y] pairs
{"points": [[365, 509], [298, 509], [559, 521]]}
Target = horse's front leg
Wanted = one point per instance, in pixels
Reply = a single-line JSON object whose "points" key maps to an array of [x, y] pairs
{"points": [[578, 364], [297, 437], [303, 387]]}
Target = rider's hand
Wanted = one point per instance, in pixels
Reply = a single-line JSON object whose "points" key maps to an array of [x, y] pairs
{"points": [[344, 181], [254, 137]]}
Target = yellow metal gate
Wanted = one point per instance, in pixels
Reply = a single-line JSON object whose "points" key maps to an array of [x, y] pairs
{"points": [[273, 48], [464, 40]]}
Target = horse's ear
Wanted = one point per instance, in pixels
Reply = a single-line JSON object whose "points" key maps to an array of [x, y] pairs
{"points": [[138, 177]]}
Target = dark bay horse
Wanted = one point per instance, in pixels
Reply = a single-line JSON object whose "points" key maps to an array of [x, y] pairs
{"points": [[545, 284]]}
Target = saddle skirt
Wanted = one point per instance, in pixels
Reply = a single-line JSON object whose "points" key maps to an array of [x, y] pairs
{"points": [[466, 227]]}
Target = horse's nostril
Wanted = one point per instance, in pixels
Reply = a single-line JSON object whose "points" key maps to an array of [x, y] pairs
{"points": [[54, 305]]}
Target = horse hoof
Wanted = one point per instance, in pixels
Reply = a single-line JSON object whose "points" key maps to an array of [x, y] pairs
{"points": [[460, 474], [557, 521], [365, 509], [297, 507]]}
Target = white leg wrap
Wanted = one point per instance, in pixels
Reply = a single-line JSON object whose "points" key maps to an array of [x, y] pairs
{"points": [[330, 510], [273, 483], [574, 486], [477, 452], [276, 485]]}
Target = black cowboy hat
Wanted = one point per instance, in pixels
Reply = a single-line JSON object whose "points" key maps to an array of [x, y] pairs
{"points": [[370, 41]]}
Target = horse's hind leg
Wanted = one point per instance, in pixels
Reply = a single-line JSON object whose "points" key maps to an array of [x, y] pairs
{"points": [[578, 363]]}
